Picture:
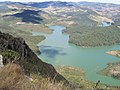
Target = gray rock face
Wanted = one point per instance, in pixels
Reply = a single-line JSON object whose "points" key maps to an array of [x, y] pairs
{"points": [[28, 60], [1, 61]]}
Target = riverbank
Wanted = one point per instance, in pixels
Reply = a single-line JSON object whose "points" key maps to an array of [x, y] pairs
{"points": [[93, 36], [76, 76], [27, 28], [112, 70]]}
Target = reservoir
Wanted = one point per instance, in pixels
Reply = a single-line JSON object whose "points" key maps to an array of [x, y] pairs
{"points": [[57, 50]]}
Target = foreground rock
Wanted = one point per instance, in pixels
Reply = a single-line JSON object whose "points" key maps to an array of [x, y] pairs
{"points": [[26, 58]]}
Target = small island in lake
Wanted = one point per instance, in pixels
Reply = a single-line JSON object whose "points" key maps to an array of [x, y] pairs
{"points": [[114, 52], [113, 70]]}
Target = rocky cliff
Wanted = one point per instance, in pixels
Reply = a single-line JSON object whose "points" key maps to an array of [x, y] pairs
{"points": [[27, 59]]}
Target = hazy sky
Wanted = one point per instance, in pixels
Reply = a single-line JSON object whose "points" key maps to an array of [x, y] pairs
{"points": [[105, 1]]}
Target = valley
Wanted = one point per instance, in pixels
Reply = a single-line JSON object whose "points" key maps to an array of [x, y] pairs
{"points": [[70, 36], [56, 50]]}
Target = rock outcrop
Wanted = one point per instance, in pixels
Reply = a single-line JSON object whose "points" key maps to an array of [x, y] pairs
{"points": [[1, 61], [28, 59]]}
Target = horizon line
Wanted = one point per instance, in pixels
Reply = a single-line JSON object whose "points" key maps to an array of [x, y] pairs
{"points": [[59, 1]]}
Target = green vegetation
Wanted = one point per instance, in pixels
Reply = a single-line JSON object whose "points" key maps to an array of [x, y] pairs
{"points": [[84, 32], [76, 77], [10, 56], [4, 9], [94, 36], [32, 41], [8, 25], [113, 70]]}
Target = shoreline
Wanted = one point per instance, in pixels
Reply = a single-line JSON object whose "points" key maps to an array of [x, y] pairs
{"points": [[89, 47], [112, 70], [76, 76], [114, 53]]}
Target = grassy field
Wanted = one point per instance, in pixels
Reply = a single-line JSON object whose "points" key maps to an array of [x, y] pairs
{"points": [[12, 77]]}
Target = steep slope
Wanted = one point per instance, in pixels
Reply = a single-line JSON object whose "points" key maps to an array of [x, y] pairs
{"points": [[25, 57]]}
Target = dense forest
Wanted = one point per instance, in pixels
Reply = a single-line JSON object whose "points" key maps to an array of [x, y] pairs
{"points": [[94, 36]]}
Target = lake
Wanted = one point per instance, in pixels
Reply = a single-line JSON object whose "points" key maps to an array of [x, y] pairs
{"points": [[56, 50]]}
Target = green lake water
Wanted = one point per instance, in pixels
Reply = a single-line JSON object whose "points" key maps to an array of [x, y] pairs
{"points": [[56, 50]]}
